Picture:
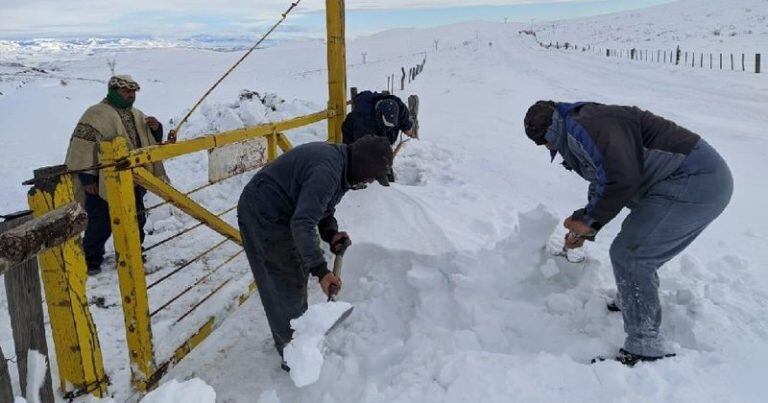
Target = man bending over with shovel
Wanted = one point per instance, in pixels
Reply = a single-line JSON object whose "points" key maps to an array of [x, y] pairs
{"points": [[283, 209]]}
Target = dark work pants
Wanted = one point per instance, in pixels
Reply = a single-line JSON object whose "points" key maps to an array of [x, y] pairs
{"points": [[99, 227], [277, 269]]}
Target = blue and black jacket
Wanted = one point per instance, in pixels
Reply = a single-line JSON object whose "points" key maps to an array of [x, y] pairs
{"points": [[362, 120], [621, 150]]}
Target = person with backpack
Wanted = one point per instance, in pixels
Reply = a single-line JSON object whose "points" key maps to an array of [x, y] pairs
{"points": [[376, 114]]}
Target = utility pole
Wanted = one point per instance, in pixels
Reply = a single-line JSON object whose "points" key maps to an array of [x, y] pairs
{"points": [[364, 55], [436, 42]]}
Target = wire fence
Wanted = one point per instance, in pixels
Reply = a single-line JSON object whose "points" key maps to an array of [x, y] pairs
{"points": [[725, 61]]}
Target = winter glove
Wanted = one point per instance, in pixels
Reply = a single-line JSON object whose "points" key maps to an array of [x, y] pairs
{"points": [[340, 243]]}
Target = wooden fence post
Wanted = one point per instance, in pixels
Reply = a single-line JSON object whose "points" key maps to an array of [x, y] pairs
{"points": [[721, 61], [686, 57], [25, 306], [336, 60], [130, 266], [402, 79], [63, 271], [743, 66], [731, 61], [757, 63], [6, 390], [701, 60], [710, 60]]}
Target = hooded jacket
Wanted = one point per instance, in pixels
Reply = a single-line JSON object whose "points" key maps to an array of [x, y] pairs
{"points": [[621, 150], [362, 120], [299, 191]]}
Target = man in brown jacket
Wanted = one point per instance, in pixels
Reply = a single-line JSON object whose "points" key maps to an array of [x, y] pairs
{"points": [[114, 116]]}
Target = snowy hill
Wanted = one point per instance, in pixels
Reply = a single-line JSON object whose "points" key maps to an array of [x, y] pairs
{"points": [[455, 297], [703, 25]]}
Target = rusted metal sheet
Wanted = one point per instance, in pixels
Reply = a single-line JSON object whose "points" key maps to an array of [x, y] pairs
{"points": [[234, 159]]}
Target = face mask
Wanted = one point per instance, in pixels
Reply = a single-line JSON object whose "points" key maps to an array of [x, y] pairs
{"points": [[117, 100]]}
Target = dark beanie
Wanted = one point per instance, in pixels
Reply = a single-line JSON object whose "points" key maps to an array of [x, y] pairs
{"points": [[370, 157], [538, 119]]}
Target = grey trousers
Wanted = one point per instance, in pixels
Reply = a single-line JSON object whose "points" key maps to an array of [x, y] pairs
{"points": [[664, 222], [277, 269]]}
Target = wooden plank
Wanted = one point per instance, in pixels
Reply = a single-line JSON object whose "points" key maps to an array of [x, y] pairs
{"points": [[145, 155], [186, 204], [6, 390], [25, 306], [283, 142], [63, 271], [37, 235]]}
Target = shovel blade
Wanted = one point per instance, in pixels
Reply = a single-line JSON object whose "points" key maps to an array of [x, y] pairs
{"points": [[342, 317]]}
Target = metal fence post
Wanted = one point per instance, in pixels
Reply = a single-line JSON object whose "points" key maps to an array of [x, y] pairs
{"points": [[63, 271], [130, 267]]}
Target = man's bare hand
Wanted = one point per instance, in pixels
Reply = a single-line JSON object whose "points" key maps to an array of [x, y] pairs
{"points": [[153, 123], [92, 189], [578, 230], [327, 281]]}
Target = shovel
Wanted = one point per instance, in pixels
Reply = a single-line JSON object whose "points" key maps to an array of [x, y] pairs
{"points": [[333, 290]]}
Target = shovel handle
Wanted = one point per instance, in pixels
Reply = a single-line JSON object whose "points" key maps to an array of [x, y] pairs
{"points": [[337, 262]]}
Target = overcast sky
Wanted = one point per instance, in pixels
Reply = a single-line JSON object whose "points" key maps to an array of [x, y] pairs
{"points": [[172, 19]]}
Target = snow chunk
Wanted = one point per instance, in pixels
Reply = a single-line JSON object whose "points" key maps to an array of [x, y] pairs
{"points": [[556, 246], [549, 269], [36, 368], [173, 391], [304, 353]]}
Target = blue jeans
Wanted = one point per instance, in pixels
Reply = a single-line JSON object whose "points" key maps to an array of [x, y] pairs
{"points": [[664, 222]]}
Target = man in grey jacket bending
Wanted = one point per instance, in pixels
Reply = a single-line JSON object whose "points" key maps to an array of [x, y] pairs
{"points": [[673, 182], [284, 208]]}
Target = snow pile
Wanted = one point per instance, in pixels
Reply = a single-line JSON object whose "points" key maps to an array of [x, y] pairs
{"points": [[304, 354], [173, 391], [37, 366]]}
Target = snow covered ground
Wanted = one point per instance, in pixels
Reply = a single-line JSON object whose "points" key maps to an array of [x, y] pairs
{"points": [[698, 25], [455, 297]]}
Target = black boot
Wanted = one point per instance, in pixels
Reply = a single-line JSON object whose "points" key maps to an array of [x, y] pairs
{"points": [[630, 359], [613, 306]]}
